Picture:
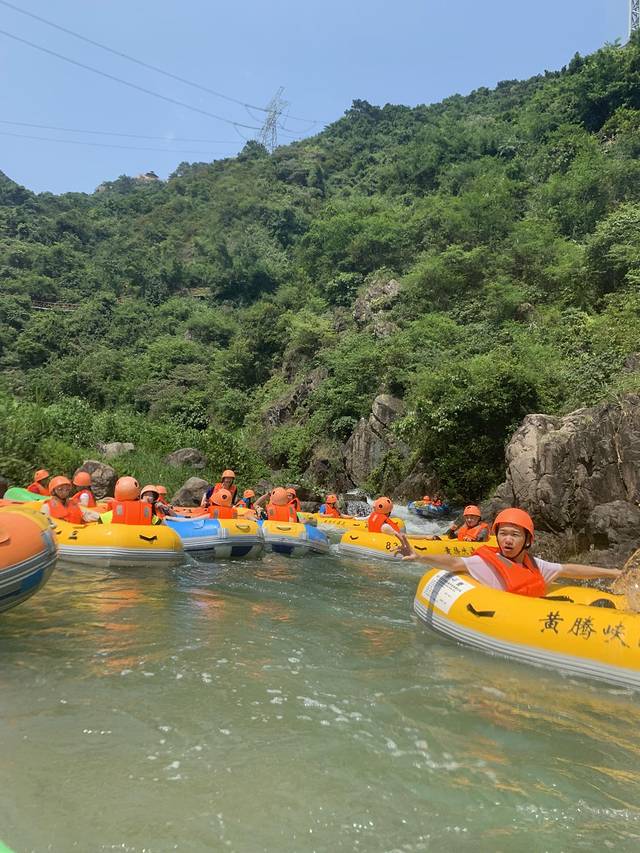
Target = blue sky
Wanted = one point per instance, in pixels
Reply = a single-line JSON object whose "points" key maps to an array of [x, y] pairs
{"points": [[325, 54]]}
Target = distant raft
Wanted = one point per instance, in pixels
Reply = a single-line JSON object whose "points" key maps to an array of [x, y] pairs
{"points": [[361, 543], [293, 539], [118, 544], [28, 555], [339, 525], [218, 539], [578, 630], [428, 510]]}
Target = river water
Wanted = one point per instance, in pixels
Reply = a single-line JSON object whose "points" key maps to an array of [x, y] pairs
{"points": [[293, 705]]}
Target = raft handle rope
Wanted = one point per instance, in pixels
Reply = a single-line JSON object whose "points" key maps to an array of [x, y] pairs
{"points": [[486, 614], [147, 538]]}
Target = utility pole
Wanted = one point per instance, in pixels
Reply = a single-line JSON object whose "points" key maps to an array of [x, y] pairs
{"points": [[634, 16], [275, 108]]}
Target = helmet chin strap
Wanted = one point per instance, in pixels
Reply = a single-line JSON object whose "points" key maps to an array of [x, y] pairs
{"points": [[525, 547]]}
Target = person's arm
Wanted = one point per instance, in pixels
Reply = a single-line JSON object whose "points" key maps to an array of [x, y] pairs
{"points": [[576, 570], [260, 501], [445, 561]]}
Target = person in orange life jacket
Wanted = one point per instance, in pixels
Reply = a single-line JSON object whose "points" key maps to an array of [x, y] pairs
{"points": [[426, 499], [163, 507], [60, 505], [247, 499], [330, 508], [509, 567], [221, 505], [293, 498], [473, 529], [227, 481], [39, 485], [279, 507], [379, 522], [127, 508], [150, 494], [84, 496]]}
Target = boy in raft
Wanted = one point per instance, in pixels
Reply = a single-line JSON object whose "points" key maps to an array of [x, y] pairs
{"points": [[279, 507], [163, 507], [228, 482], [473, 529], [379, 522], [127, 508], [39, 485], [509, 567], [61, 505], [294, 500], [330, 508], [221, 505], [84, 496], [151, 495]]}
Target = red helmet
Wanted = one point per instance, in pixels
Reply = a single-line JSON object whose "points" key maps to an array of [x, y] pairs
{"points": [[248, 493], [228, 473], [279, 496], [56, 482], [161, 490], [383, 505], [82, 478], [514, 516], [127, 489], [472, 509], [292, 492], [221, 497], [332, 499], [41, 474]]}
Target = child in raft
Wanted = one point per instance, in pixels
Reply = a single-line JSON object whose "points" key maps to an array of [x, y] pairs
{"points": [[473, 529], [509, 567], [330, 508], [63, 507], [380, 522], [40, 483], [279, 507]]}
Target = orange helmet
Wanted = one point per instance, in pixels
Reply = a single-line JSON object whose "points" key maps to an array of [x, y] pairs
{"points": [[161, 490], [228, 473], [331, 499], [248, 493], [383, 505], [426, 499], [149, 488], [41, 474], [279, 496], [472, 510], [514, 516], [292, 492], [82, 478], [56, 482], [127, 489], [221, 497]]}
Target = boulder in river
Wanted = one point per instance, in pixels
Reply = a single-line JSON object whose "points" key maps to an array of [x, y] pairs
{"points": [[188, 457], [190, 493], [103, 477]]}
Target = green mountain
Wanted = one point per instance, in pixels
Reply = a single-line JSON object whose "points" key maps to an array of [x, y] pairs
{"points": [[244, 307]]}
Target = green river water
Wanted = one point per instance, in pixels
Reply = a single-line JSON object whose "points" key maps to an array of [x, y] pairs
{"points": [[293, 705]]}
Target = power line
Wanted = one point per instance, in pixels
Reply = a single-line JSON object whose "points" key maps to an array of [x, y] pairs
{"points": [[269, 132], [102, 144], [155, 68], [127, 83], [116, 133]]}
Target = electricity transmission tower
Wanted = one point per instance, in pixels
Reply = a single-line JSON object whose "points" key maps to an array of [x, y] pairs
{"points": [[275, 108], [634, 16]]}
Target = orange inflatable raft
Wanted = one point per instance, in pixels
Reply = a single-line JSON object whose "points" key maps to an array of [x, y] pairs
{"points": [[28, 554]]}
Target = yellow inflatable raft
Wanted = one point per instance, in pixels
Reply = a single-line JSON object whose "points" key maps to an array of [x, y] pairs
{"points": [[340, 525], [361, 543], [294, 540], [117, 544], [579, 630]]}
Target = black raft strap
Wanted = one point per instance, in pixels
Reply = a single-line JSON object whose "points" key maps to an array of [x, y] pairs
{"points": [[487, 614], [557, 598], [147, 538]]}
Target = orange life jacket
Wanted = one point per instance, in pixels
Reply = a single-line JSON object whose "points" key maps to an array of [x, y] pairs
{"points": [[233, 489], [37, 489], [131, 512], [520, 578], [89, 493], [331, 511], [295, 503], [65, 512], [282, 513], [222, 511], [470, 534], [377, 519]]}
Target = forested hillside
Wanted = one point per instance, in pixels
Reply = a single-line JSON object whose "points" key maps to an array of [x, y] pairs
{"points": [[510, 219]]}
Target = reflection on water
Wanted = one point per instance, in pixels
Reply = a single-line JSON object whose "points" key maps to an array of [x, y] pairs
{"points": [[293, 705]]}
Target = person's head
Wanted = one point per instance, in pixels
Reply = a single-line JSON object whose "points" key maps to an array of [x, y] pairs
{"points": [[472, 515], [82, 479], [61, 487], [383, 505], [249, 496], [514, 530], [426, 499], [228, 477], [221, 497], [279, 496], [41, 476], [331, 500], [149, 494], [161, 490], [291, 493], [127, 489]]}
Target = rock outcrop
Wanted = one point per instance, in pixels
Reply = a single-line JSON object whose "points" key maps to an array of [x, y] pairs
{"points": [[190, 493], [284, 408], [578, 474], [103, 477], [371, 308], [116, 448], [372, 439], [188, 457]]}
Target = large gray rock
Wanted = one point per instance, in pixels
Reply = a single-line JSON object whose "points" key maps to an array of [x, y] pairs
{"points": [[371, 307], [103, 477], [116, 448], [561, 469], [372, 439], [188, 457], [417, 483], [191, 492], [614, 524]]}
